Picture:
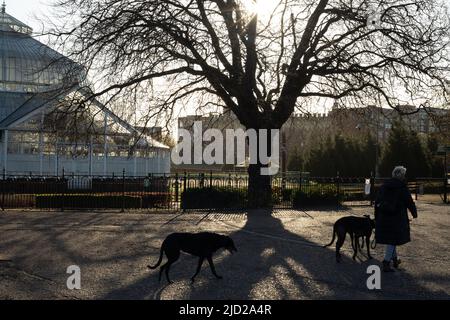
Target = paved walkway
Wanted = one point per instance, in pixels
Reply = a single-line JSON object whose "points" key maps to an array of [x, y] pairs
{"points": [[280, 257]]}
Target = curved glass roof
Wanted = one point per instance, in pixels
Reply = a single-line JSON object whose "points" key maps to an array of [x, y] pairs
{"points": [[34, 76], [9, 23], [30, 72], [27, 65]]}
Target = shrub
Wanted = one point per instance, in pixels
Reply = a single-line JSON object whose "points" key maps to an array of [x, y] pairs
{"points": [[354, 196], [276, 195], [32, 185], [279, 194], [208, 198], [81, 201], [154, 184], [155, 200], [287, 194], [317, 195]]}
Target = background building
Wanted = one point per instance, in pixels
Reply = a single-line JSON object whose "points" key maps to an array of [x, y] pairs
{"points": [[303, 132]]}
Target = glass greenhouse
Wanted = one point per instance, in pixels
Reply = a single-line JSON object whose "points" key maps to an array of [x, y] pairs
{"points": [[40, 136]]}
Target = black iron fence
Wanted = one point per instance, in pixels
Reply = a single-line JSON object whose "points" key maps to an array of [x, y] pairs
{"points": [[195, 191]]}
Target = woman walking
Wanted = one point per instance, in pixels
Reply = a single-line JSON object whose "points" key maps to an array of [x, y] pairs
{"points": [[391, 214]]}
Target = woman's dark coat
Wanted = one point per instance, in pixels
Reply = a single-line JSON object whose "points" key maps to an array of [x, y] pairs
{"points": [[394, 228]]}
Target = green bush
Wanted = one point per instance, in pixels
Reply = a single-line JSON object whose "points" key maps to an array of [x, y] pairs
{"points": [[80, 201], [317, 195], [430, 188], [155, 200], [279, 194], [276, 195], [209, 198], [287, 194], [354, 196]]}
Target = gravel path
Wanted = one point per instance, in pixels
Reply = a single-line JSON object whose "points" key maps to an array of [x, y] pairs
{"points": [[280, 256]]}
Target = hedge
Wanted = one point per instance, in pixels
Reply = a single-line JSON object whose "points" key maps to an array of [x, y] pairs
{"points": [[208, 198], [354, 196], [316, 196], [79, 201], [155, 200]]}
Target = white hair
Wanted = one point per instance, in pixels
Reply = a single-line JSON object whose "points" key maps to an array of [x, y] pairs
{"points": [[399, 172]]}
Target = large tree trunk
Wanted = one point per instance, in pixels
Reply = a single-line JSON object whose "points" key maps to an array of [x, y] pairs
{"points": [[259, 186]]}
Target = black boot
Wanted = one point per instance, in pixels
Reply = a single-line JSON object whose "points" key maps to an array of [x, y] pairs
{"points": [[387, 266], [396, 262]]}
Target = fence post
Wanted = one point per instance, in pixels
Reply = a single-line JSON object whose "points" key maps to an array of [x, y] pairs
{"points": [[202, 179], [445, 189], [338, 187], [176, 188], [123, 191], [417, 189], [184, 189], [372, 187], [445, 178], [63, 190], [210, 179], [3, 189], [301, 181]]}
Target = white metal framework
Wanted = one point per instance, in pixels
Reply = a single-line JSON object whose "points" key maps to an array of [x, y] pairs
{"points": [[38, 134]]}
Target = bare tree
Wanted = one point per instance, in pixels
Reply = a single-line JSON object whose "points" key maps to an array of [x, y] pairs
{"points": [[261, 67]]}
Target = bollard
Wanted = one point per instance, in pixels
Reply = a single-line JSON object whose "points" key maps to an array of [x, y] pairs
{"points": [[176, 188]]}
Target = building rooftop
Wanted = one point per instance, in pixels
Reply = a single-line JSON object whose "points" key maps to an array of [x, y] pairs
{"points": [[9, 23]]}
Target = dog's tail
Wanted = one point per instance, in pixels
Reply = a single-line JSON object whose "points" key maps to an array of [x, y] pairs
{"points": [[332, 240], [159, 261]]}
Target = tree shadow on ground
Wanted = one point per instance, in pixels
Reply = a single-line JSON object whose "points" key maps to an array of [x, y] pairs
{"points": [[275, 263]]}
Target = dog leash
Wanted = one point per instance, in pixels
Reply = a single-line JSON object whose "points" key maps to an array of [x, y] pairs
{"points": [[373, 244]]}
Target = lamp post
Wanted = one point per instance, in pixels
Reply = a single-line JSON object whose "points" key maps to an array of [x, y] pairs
{"points": [[442, 151], [377, 143], [377, 146]]}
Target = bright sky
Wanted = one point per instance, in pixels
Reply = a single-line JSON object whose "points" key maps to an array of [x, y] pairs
{"points": [[26, 10], [29, 11]]}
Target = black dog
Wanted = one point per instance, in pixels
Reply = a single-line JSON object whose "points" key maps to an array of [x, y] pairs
{"points": [[202, 245], [356, 227]]}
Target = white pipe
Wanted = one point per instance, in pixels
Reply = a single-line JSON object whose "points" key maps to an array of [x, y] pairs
{"points": [[41, 138], [90, 156], [105, 146], [56, 156]]}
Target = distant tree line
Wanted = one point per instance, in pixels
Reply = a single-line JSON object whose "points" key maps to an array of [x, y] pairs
{"points": [[356, 157]]}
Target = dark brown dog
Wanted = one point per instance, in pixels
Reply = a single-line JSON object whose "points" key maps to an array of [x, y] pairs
{"points": [[202, 245], [356, 227]]}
